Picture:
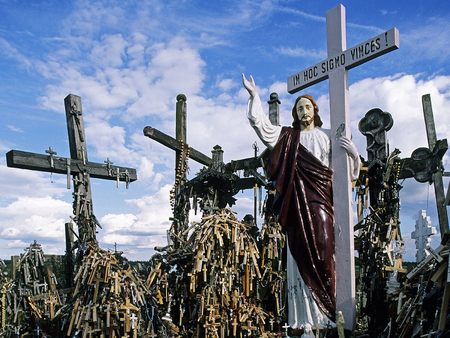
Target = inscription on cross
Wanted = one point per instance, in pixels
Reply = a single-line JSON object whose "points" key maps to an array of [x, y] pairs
{"points": [[335, 68], [76, 166]]}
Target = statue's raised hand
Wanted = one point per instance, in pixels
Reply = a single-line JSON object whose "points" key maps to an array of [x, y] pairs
{"points": [[249, 85]]}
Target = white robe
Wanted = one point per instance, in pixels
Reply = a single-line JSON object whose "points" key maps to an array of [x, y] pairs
{"points": [[303, 311]]}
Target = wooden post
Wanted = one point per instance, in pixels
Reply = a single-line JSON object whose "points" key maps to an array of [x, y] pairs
{"points": [[180, 127], [83, 209], [274, 109], [69, 254], [437, 176]]}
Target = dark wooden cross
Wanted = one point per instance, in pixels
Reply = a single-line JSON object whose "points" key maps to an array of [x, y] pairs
{"points": [[433, 143], [179, 141], [335, 68], [76, 166]]}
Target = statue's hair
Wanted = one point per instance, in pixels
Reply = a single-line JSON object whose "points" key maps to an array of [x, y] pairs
{"points": [[317, 120]]}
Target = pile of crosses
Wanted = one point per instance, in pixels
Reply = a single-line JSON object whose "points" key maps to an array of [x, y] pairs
{"points": [[422, 307], [31, 299], [5, 285], [392, 302], [225, 287], [219, 277], [109, 299]]}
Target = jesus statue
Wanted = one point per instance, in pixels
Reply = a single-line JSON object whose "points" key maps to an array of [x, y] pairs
{"points": [[299, 169]]}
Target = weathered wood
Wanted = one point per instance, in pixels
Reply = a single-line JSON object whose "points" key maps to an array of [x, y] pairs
{"points": [[69, 257], [274, 109], [173, 144], [39, 162], [437, 176], [76, 166], [424, 163], [180, 127]]}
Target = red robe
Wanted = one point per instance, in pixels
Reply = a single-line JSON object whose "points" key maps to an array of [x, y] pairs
{"points": [[304, 205]]}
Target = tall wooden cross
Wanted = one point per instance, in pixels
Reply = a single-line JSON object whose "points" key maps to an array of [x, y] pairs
{"points": [[335, 68], [76, 166], [437, 176]]}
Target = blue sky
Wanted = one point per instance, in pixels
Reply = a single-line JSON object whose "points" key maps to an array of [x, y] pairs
{"points": [[128, 60]]}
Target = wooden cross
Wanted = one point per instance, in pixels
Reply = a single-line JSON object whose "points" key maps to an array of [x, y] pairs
{"points": [[179, 141], [76, 166], [437, 176], [335, 68]]}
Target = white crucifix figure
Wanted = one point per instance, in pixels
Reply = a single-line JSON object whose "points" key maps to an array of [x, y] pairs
{"points": [[335, 68], [422, 234]]}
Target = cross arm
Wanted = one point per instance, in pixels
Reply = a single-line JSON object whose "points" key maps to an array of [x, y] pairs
{"points": [[26, 160], [174, 144]]}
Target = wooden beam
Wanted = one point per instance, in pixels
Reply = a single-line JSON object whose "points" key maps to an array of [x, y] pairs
{"points": [[437, 176], [26, 160], [173, 144]]}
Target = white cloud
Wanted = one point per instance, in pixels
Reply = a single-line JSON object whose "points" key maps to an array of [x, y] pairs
{"points": [[13, 53], [14, 128], [401, 96], [145, 229], [35, 218], [109, 52], [430, 38], [226, 84], [19, 182]]}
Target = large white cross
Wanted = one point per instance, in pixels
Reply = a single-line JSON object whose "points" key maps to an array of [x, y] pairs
{"points": [[335, 68]]}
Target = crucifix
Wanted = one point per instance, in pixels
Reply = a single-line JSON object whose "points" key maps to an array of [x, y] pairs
{"points": [[76, 166], [335, 68]]}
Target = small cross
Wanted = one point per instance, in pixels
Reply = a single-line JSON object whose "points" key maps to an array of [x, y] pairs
{"points": [[285, 327], [133, 319], [108, 166], [50, 153]]}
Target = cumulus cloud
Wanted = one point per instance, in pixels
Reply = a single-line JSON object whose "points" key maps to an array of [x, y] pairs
{"points": [[19, 182], [34, 218], [401, 96], [143, 230]]}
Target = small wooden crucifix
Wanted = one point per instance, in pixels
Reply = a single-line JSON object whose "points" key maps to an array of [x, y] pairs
{"points": [[76, 166], [335, 68]]}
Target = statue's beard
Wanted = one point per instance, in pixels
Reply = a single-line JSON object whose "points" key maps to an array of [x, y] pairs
{"points": [[306, 122]]}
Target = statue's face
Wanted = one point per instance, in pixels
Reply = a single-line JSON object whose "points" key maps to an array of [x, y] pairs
{"points": [[305, 111]]}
